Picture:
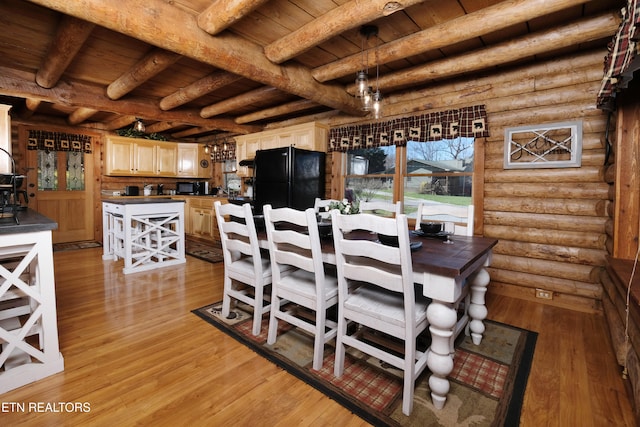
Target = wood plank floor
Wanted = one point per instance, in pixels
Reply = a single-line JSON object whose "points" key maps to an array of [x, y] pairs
{"points": [[136, 355]]}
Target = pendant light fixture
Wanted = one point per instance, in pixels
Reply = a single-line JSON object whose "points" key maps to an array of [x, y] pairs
{"points": [[363, 91], [371, 100], [139, 126], [376, 105]]}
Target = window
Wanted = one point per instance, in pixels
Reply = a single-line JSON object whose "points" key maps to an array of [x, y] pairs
{"points": [[438, 171], [370, 174]]}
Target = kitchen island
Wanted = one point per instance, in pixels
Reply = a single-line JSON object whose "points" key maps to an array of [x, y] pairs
{"points": [[28, 323], [146, 233]]}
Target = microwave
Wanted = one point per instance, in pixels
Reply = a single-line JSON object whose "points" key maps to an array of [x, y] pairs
{"points": [[190, 187]]}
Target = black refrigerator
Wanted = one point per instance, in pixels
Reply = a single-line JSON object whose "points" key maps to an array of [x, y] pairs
{"points": [[288, 177]]}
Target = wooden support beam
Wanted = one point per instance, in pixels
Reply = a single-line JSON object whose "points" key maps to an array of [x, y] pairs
{"points": [[568, 35], [119, 122], [77, 94], [221, 14], [161, 24], [197, 89], [349, 15], [80, 115], [70, 36], [160, 127], [192, 131], [153, 63], [466, 27], [280, 110], [238, 101]]}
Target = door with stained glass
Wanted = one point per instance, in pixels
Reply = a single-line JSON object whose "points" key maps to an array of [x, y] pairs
{"points": [[60, 188]]}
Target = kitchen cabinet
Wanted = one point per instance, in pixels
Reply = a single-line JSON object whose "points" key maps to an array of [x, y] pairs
{"points": [[193, 162], [142, 157], [200, 219], [308, 136]]}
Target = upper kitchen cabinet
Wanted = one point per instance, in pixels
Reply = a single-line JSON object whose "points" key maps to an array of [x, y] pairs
{"points": [[193, 162], [308, 136], [142, 157]]}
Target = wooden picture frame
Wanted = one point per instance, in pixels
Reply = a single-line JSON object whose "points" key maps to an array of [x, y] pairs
{"points": [[552, 145]]}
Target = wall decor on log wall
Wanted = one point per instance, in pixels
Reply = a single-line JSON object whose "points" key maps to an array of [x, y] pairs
{"points": [[553, 145]]}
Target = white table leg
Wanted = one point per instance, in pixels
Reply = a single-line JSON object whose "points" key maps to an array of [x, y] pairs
{"points": [[477, 308], [442, 320]]}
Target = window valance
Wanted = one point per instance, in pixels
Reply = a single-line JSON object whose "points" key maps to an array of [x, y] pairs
{"points": [[464, 122], [621, 60], [58, 141]]}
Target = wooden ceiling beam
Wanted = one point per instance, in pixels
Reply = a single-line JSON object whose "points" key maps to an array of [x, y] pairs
{"points": [[70, 36], [76, 94], [80, 115], [344, 17], [221, 14], [239, 101], [280, 110], [197, 89], [119, 122], [161, 24], [152, 64], [582, 31], [465, 27], [160, 127]]}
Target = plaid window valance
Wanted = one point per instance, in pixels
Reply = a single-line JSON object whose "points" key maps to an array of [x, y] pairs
{"points": [[450, 124], [58, 141], [622, 52]]}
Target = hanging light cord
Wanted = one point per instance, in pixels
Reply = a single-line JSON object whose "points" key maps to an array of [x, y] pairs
{"points": [[625, 371]]}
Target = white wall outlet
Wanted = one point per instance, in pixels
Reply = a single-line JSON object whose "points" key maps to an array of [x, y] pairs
{"points": [[544, 294]]}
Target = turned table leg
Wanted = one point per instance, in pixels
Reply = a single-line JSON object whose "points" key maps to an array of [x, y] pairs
{"points": [[477, 308], [442, 319]]}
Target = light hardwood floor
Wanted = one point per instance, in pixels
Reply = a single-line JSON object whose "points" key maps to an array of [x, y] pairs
{"points": [[136, 355]]}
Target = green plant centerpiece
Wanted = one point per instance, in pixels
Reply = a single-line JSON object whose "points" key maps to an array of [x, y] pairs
{"points": [[345, 207]]}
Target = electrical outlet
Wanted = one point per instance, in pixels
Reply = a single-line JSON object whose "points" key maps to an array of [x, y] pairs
{"points": [[544, 294]]}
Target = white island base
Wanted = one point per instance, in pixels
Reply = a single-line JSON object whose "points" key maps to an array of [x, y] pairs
{"points": [[28, 325], [145, 233]]}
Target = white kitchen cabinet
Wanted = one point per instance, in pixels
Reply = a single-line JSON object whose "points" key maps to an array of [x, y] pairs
{"points": [[308, 136]]}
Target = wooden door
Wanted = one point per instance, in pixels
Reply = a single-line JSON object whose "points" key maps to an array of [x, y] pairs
{"points": [[60, 187]]}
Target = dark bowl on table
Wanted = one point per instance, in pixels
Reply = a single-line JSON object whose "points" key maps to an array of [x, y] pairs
{"points": [[431, 227]]}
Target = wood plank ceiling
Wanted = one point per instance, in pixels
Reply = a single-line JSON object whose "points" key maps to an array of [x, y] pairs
{"points": [[199, 69]]}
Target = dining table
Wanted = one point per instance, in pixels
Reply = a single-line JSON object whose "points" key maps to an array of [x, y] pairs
{"points": [[445, 271]]}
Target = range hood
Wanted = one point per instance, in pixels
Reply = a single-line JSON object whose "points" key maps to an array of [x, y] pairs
{"points": [[247, 162]]}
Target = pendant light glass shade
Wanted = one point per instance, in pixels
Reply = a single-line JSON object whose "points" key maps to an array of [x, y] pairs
{"points": [[376, 105], [367, 99], [139, 126], [362, 84]]}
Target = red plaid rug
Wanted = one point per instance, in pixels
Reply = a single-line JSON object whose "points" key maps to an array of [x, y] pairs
{"points": [[487, 381]]}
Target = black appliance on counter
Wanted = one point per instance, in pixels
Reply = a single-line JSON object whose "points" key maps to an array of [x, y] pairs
{"points": [[192, 187], [288, 177]]}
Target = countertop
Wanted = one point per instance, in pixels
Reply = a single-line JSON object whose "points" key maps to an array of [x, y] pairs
{"points": [[141, 201], [30, 222]]}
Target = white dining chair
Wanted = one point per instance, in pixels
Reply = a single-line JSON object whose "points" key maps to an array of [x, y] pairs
{"points": [[295, 242], [321, 205], [376, 291], [389, 209], [461, 216], [246, 271]]}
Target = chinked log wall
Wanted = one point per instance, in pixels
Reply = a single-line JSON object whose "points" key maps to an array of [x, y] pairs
{"points": [[550, 222]]}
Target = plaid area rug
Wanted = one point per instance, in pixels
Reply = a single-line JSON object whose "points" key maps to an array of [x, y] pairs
{"points": [[487, 382], [211, 252]]}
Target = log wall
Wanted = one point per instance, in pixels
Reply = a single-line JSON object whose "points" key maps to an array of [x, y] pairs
{"points": [[550, 222]]}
